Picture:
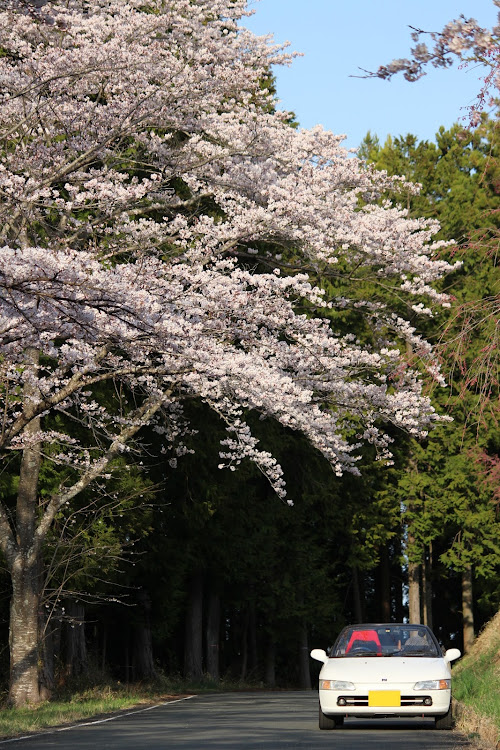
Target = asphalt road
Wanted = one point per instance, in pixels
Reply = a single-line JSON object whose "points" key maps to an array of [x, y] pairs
{"points": [[234, 721]]}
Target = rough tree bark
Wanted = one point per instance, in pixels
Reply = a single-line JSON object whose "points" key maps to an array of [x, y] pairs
{"points": [[414, 592], [413, 584], [467, 609], [23, 561], [24, 634]]}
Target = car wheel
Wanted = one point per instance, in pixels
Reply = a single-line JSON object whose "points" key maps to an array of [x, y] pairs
{"points": [[444, 722], [329, 722]]}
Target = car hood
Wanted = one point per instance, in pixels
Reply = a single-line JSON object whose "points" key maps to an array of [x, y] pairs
{"points": [[382, 669]]}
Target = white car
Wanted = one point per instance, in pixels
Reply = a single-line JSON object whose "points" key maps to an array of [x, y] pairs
{"points": [[385, 670]]}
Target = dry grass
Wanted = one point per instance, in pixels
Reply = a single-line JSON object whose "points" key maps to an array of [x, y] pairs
{"points": [[477, 726], [488, 639]]}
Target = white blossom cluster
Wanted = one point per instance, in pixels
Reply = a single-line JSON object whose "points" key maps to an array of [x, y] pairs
{"points": [[142, 161]]}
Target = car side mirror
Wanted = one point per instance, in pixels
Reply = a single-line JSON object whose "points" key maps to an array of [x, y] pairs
{"points": [[319, 654], [452, 654]]}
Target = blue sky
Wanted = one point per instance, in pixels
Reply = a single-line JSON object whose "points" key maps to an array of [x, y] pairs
{"points": [[338, 37]]}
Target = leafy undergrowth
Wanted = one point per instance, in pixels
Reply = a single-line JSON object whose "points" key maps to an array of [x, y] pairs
{"points": [[476, 684], [78, 703]]}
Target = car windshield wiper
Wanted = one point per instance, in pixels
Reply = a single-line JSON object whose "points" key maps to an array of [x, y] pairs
{"points": [[366, 653], [417, 652]]}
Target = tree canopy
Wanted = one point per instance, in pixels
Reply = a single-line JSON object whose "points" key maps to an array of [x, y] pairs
{"points": [[163, 232]]}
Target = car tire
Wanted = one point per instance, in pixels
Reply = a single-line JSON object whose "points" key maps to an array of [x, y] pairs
{"points": [[329, 722], [444, 722]]}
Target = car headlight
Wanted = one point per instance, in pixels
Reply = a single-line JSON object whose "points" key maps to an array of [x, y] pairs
{"points": [[336, 685], [433, 685]]}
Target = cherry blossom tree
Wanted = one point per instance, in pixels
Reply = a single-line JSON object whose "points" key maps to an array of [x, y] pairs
{"points": [[462, 39], [161, 227], [477, 367], [465, 41]]}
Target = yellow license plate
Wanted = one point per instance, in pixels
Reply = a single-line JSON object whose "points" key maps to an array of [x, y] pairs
{"points": [[384, 698]]}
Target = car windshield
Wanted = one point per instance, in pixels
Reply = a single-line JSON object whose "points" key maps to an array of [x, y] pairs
{"points": [[386, 640]]}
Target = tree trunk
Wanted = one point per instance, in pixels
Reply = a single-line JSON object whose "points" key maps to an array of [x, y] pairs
{"points": [[213, 635], [23, 639], [144, 666], [385, 585], [467, 611], [397, 581], [414, 574], [356, 594], [252, 640], [304, 671], [193, 646], [24, 565], [414, 592], [49, 636], [413, 583], [104, 648], [244, 648], [270, 670], [427, 588], [76, 645], [128, 666]]}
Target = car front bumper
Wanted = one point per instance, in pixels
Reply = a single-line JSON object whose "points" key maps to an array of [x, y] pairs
{"points": [[369, 700]]}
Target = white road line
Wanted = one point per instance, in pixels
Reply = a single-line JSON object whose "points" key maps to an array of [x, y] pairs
{"points": [[97, 721]]}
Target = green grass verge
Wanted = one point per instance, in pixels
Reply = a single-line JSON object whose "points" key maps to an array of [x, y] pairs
{"points": [[78, 703], [68, 709], [20, 721], [476, 683]]}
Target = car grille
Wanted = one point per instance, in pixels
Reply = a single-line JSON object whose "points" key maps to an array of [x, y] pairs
{"points": [[362, 700]]}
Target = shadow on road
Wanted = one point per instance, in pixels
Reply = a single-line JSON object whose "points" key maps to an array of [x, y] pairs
{"points": [[249, 721]]}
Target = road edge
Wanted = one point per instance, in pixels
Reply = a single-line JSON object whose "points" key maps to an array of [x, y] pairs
{"points": [[97, 720]]}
